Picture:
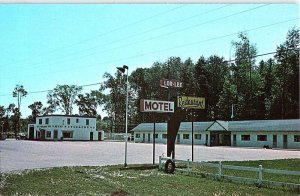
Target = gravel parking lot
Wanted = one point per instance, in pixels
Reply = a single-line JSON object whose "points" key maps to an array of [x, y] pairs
{"points": [[21, 154]]}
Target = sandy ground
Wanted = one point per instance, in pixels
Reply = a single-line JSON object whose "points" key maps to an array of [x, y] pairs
{"points": [[16, 155]]}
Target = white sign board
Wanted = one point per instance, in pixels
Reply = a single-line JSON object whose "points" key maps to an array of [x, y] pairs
{"points": [[170, 83], [147, 105]]}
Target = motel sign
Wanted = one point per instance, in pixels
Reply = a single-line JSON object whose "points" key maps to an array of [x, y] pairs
{"points": [[170, 83], [147, 105], [191, 102]]}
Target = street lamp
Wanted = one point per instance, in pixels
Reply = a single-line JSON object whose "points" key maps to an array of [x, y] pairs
{"points": [[122, 69]]}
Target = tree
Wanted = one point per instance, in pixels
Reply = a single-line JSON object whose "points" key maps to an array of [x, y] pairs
{"points": [[114, 104], [87, 104], [201, 86], [36, 110], [244, 59], [227, 100], [286, 89], [19, 92], [63, 97]]}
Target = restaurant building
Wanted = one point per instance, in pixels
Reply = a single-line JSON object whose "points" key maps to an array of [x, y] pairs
{"points": [[64, 127]]}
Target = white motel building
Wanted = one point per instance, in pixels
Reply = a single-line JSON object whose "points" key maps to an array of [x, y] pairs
{"points": [[64, 127], [254, 133]]}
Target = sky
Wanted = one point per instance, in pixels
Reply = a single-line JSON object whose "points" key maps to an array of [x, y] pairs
{"points": [[43, 45]]}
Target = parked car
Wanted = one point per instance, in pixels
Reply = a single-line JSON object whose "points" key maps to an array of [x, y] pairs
{"points": [[21, 136]]}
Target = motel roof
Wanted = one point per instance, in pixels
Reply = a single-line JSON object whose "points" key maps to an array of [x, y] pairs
{"points": [[265, 125], [254, 125]]}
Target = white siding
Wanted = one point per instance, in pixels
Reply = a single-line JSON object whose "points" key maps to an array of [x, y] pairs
{"points": [[80, 129]]}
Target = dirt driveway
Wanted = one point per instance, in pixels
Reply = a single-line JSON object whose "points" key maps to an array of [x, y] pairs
{"points": [[21, 154]]}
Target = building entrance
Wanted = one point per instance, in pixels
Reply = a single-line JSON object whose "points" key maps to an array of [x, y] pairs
{"points": [[220, 138]]}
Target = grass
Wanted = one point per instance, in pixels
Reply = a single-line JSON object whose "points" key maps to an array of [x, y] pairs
{"points": [[284, 164], [134, 180]]}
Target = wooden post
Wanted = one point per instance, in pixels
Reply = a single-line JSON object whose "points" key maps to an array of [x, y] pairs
{"points": [[154, 143], [220, 170], [188, 166], [192, 140], [159, 163], [260, 176]]}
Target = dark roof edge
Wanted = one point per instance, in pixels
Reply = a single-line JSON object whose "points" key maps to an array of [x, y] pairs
{"points": [[67, 116]]}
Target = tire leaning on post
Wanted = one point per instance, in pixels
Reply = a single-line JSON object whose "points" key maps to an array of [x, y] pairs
{"points": [[169, 166]]}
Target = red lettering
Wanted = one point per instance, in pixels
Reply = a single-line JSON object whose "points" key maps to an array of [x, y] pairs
{"points": [[166, 106], [148, 106], [160, 105], [171, 109], [154, 106]]}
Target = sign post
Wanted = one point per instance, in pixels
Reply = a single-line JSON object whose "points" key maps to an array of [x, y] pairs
{"points": [[191, 103], [147, 105]]}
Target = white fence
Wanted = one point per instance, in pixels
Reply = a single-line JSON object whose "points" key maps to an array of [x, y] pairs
{"points": [[117, 136], [256, 181]]}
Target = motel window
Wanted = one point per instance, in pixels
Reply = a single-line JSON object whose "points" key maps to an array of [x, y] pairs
{"points": [[77, 120], [68, 121], [164, 136], [186, 136], [48, 134], [67, 134], [87, 121], [40, 121], [198, 136], [137, 135], [261, 137], [246, 138], [296, 138], [47, 121]]}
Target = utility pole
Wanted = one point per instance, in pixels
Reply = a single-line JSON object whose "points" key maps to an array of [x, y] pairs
{"points": [[122, 69]]}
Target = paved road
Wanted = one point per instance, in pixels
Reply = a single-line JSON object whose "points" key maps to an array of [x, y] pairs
{"points": [[20, 154]]}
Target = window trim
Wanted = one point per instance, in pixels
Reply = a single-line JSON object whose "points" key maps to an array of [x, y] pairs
{"points": [[47, 132], [245, 139], [197, 134], [259, 136], [137, 135], [184, 136], [70, 132], [296, 138]]}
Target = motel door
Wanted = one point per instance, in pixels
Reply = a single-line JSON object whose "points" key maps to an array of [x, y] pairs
{"points": [[31, 133], [99, 136], [234, 139], [274, 141], [43, 134], [143, 137], [285, 142], [91, 136], [55, 134], [148, 137]]}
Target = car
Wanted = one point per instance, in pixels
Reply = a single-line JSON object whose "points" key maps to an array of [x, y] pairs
{"points": [[21, 136]]}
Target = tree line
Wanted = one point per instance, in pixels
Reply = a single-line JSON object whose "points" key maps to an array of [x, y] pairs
{"points": [[239, 89]]}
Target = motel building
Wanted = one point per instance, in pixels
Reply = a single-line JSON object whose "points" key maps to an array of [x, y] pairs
{"points": [[254, 133], [65, 127]]}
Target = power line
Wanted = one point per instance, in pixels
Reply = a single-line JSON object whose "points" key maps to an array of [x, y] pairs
{"points": [[184, 45], [162, 35], [45, 91], [93, 84], [106, 33], [122, 39]]}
